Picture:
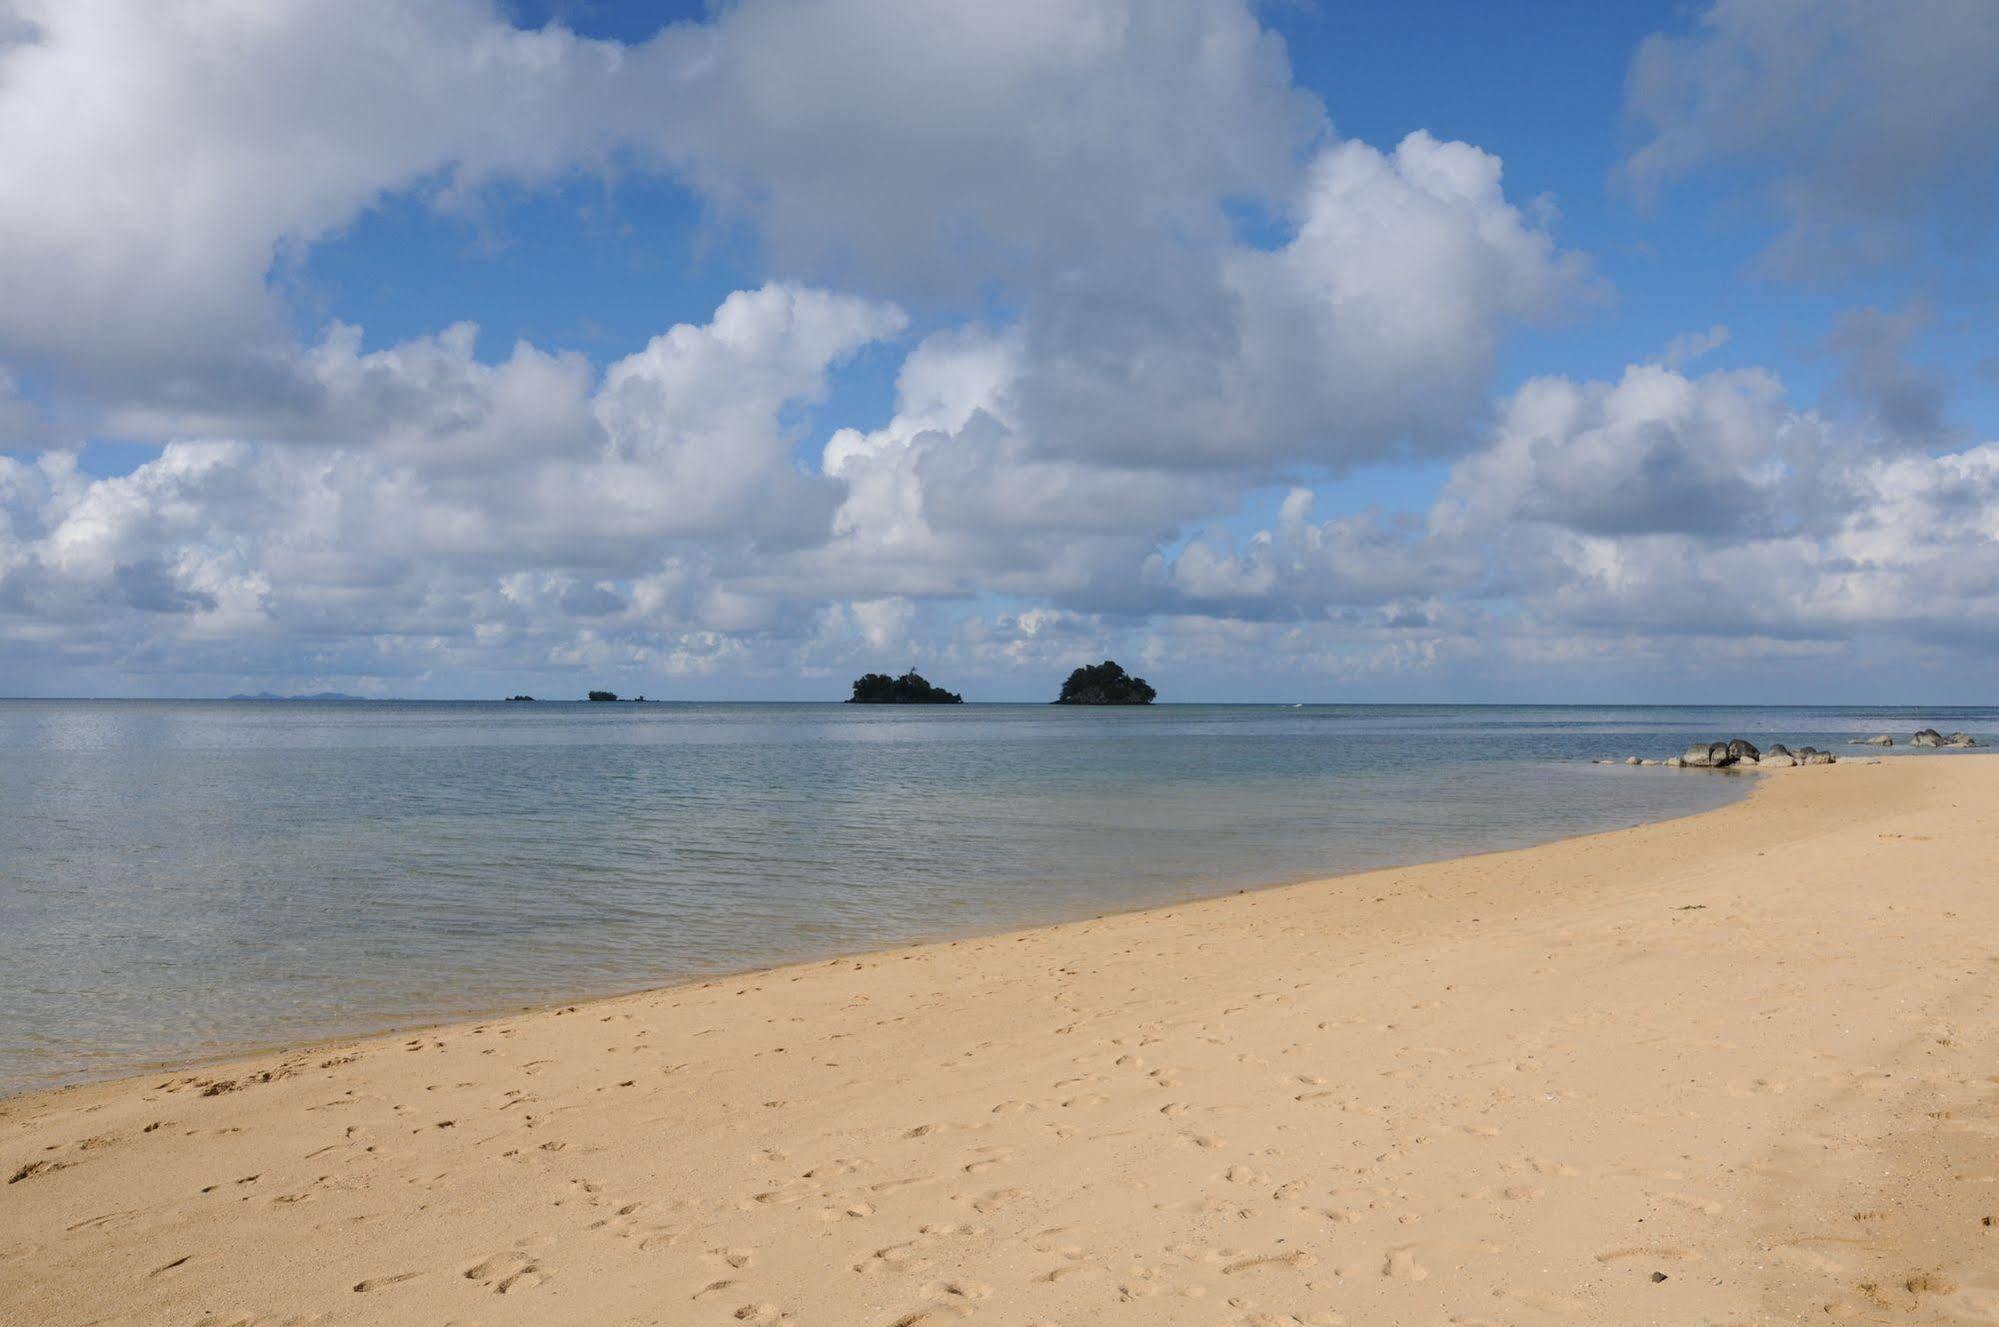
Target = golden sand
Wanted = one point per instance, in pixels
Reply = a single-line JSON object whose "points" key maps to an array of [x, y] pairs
{"points": [[1738, 1068]]}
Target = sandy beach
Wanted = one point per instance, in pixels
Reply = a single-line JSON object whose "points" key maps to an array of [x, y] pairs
{"points": [[1736, 1068]]}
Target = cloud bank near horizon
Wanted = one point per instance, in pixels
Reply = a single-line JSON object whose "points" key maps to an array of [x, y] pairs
{"points": [[1144, 302]]}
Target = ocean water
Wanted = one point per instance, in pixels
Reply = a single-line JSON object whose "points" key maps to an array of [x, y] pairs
{"points": [[182, 880]]}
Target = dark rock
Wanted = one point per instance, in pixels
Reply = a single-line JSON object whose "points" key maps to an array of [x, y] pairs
{"points": [[1927, 737], [1105, 684], [1744, 750], [1879, 739], [1779, 749], [1960, 739], [1708, 755], [909, 689]]}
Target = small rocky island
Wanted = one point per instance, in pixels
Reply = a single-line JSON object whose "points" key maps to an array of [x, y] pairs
{"points": [[1105, 684], [909, 689]]}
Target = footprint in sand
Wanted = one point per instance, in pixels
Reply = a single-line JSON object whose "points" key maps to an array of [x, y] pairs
{"points": [[958, 1290], [998, 1200], [902, 1259], [1550, 1302], [987, 1159], [933, 1313], [1666, 1252], [506, 1273], [1402, 1265], [1705, 1206], [1270, 1263]]}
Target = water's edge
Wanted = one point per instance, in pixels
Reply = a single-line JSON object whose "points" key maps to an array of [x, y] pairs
{"points": [[440, 1019], [191, 880]]}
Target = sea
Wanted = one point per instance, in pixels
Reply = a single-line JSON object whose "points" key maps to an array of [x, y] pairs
{"points": [[186, 880]]}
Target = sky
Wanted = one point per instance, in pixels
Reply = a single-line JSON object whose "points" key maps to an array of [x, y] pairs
{"points": [[1434, 351]]}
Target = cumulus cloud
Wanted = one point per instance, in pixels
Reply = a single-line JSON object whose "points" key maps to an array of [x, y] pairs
{"points": [[1141, 279], [679, 457], [1660, 520], [1656, 452], [1904, 400], [157, 159], [1389, 564], [1871, 124], [890, 143], [1369, 333], [1663, 505]]}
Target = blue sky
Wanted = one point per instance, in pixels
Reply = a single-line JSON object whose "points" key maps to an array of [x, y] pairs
{"points": [[1350, 352]]}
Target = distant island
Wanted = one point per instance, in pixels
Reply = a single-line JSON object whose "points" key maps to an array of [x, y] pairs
{"points": [[1105, 684], [606, 697], [512, 700], [317, 695], [909, 689]]}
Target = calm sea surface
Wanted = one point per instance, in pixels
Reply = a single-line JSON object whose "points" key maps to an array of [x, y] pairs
{"points": [[184, 879]]}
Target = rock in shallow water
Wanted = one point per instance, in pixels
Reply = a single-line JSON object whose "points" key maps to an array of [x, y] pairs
{"points": [[1708, 755]]}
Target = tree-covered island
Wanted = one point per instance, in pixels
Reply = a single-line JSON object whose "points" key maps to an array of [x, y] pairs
{"points": [[909, 689], [1105, 684]]}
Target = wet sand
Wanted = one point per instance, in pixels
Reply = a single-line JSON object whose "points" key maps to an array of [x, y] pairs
{"points": [[1737, 1068]]}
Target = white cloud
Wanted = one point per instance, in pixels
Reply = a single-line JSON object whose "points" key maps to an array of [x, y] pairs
{"points": [[611, 518], [918, 150], [1108, 358], [1871, 123], [157, 159], [1655, 452]]}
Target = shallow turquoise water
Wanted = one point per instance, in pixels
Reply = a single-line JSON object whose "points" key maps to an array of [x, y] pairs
{"points": [[184, 879]]}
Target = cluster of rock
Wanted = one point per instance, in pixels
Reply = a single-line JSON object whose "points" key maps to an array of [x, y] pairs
{"points": [[1923, 737], [1736, 752], [1739, 751]]}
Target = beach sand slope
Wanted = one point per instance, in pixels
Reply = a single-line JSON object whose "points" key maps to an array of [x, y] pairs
{"points": [[1737, 1068]]}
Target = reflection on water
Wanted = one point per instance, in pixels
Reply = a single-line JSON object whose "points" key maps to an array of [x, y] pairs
{"points": [[181, 879]]}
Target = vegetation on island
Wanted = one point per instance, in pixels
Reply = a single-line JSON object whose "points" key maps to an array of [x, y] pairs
{"points": [[515, 700], [604, 695], [909, 689], [1105, 684]]}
